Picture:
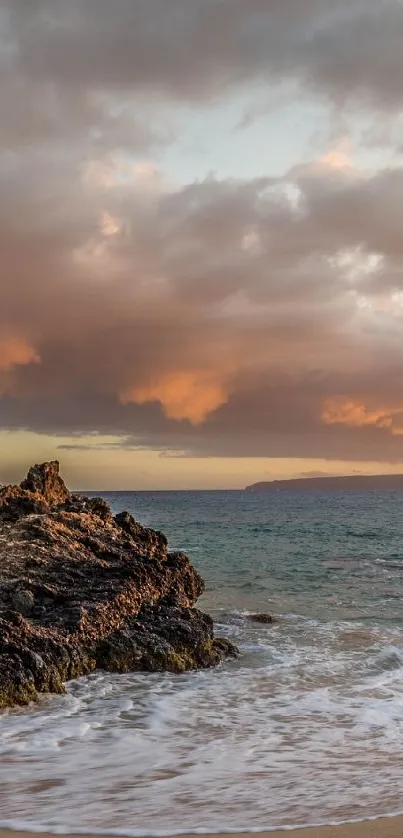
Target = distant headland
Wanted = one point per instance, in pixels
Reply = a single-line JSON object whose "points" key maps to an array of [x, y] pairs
{"points": [[353, 483]]}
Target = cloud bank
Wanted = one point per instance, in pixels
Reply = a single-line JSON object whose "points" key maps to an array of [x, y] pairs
{"points": [[220, 317]]}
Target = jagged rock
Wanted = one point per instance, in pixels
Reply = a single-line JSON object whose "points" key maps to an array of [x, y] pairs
{"points": [[156, 541], [45, 480], [81, 589], [15, 502]]}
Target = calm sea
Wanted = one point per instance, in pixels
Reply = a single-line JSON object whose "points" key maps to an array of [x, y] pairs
{"points": [[306, 727]]}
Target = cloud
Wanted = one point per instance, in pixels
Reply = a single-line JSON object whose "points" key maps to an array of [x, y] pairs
{"points": [[336, 158], [199, 48], [338, 411], [173, 334], [222, 317], [310, 474], [192, 394], [107, 75], [77, 447], [15, 352]]}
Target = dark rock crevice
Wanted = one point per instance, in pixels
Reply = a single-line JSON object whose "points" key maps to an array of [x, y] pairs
{"points": [[82, 589]]}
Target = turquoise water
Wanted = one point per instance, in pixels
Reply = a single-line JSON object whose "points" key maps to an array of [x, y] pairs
{"points": [[305, 727]]}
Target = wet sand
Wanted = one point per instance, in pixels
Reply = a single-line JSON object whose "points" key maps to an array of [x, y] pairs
{"points": [[381, 828]]}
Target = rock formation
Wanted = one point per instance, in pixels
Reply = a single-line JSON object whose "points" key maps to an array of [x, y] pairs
{"points": [[82, 589]]}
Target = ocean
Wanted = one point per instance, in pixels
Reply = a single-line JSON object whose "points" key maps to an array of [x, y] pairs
{"points": [[306, 727]]}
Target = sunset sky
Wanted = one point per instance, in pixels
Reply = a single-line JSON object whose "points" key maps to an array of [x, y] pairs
{"points": [[201, 240]]}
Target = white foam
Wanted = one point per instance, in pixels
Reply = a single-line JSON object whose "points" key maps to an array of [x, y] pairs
{"points": [[283, 737]]}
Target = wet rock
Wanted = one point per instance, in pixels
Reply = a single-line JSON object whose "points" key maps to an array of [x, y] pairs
{"points": [[81, 589], [261, 618], [164, 638]]}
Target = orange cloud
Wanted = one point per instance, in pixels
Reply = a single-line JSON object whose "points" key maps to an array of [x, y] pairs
{"points": [[339, 411], [16, 352], [337, 158], [191, 395]]}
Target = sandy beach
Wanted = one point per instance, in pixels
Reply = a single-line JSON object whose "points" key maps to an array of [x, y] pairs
{"points": [[381, 828]]}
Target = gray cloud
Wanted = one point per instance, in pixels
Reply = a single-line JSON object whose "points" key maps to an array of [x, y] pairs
{"points": [[97, 70], [197, 48]]}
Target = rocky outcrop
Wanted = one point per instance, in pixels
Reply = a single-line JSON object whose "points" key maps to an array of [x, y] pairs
{"points": [[45, 480], [82, 589]]}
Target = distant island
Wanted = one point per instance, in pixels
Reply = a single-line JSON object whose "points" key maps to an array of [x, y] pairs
{"points": [[353, 483]]}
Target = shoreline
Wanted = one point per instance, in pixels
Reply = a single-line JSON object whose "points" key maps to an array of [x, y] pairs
{"points": [[382, 827]]}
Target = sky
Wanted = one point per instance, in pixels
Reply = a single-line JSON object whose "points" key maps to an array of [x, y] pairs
{"points": [[201, 248]]}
